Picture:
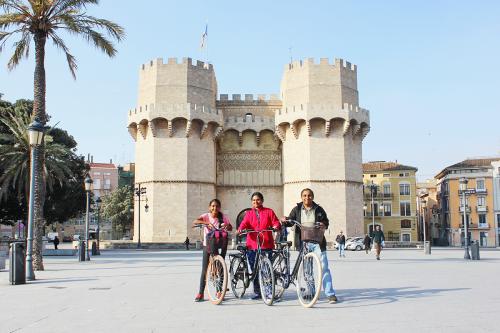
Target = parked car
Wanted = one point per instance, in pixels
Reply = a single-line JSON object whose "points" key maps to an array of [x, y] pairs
{"points": [[336, 245], [355, 244]]}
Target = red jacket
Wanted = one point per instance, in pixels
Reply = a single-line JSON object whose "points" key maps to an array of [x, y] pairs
{"points": [[267, 219]]}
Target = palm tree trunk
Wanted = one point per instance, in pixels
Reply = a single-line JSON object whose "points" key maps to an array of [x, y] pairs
{"points": [[40, 115]]}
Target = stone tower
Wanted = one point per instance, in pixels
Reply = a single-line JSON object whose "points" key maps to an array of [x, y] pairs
{"points": [[174, 126], [322, 127]]}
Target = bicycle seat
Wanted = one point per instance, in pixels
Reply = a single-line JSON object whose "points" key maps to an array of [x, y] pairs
{"points": [[282, 244], [241, 247]]}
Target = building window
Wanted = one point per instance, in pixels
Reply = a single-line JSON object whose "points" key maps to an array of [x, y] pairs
{"points": [[387, 174], [405, 208], [498, 222], [387, 190], [467, 216], [401, 175], [387, 209], [480, 185], [462, 201], [97, 184], [481, 201], [373, 176], [97, 173], [482, 218], [405, 224], [404, 189], [406, 237]]}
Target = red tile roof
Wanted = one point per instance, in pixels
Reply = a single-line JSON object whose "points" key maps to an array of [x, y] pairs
{"points": [[103, 165], [385, 166]]}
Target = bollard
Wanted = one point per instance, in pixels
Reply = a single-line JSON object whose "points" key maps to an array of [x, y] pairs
{"points": [[474, 250], [427, 247], [198, 245], [81, 250], [17, 266], [94, 248]]}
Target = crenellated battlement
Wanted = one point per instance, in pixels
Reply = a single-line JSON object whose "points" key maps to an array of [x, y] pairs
{"points": [[338, 63], [325, 111], [171, 111], [248, 98], [188, 62]]}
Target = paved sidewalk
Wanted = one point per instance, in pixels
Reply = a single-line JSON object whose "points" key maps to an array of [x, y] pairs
{"points": [[153, 291]]}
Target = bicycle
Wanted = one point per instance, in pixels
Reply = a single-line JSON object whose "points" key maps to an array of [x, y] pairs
{"points": [[216, 275], [307, 274], [241, 273]]}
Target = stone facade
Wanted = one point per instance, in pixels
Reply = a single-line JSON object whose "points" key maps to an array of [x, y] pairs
{"points": [[192, 147]]}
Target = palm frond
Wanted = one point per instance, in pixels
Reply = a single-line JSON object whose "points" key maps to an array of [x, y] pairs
{"points": [[22, 49], [70, 59]]}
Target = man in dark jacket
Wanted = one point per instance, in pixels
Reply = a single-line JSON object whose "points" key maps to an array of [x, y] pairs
{"points": [[341, 243], [307, 213], [368, 243], [378, 240]]}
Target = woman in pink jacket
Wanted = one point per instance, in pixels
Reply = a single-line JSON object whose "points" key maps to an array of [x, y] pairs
{"points": [[259, 218]]}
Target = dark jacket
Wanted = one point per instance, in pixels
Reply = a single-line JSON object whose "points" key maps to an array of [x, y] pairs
{"points": [[367, 241], [340, 239], [319, 216], [378, 236]]}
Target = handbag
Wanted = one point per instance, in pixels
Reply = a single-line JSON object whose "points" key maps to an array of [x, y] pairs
{"points": [[216, 240]]}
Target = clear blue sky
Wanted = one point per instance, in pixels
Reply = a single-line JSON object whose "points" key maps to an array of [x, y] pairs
{"points": [[428, 71]]}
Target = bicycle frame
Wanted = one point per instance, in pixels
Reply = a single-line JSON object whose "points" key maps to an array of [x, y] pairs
{"points": [[244, 254]]}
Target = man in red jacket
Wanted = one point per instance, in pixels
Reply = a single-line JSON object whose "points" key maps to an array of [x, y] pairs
{"points": [[259, 218]]}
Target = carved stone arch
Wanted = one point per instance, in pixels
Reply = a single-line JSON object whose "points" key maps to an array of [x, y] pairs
{"points": [[297, 126], [248, 138], [159, 127], [214, 129], [229, 140], [196, 128], [143, 128], [178, 127], [281, 130], [364, 129], [132, 129], [353, 127], [337, 126], [267, 140], [316, 127]]}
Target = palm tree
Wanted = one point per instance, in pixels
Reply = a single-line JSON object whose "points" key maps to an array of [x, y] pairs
{"points": [[40, 20], [15, 156]]}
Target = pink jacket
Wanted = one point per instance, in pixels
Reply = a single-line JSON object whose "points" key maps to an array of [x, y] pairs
{"points": [[267, 219]]}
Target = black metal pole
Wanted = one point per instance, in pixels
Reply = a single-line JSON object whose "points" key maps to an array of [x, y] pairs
{"points": [[138, 192], [98, 231]]}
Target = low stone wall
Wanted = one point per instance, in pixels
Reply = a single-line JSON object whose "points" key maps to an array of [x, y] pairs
{"points": [[120, 244], [59, 252]]}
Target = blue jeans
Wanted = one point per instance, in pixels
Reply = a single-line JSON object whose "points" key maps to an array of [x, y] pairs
{"points": [[251, 255], [327, 275], [342, 250]]}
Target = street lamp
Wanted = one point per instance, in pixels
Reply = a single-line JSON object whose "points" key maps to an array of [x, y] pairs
{"points": [[463, 188], [139, 191], [373, 192], [35, 133], [98, 202], [88, 188]]}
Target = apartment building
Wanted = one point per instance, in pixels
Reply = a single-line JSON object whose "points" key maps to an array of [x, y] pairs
{"points": [[478, 205], [393, 188], [104, 177]]}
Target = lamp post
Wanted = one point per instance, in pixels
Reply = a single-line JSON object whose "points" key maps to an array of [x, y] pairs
{"points": [[463, 188], [35, 133], [98, 202], [88, 188], [139, 191], [373, 192]]}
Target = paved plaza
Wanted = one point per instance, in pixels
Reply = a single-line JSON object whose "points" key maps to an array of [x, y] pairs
{"points": [[153, 291]]}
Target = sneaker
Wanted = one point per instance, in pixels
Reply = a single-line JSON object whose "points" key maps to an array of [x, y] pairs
{"points": [[257, 296], [378, 258], [199, 298], [332, 299]]}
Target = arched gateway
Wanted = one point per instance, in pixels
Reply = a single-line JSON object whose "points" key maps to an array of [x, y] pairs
{"points": [[192, 147]]}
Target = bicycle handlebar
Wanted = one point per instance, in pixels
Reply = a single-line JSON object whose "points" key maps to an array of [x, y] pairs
{"points": [[298, 224]]}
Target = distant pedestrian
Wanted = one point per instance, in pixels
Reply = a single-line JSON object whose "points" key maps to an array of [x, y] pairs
{"points": [[368, 243], [378, 241], [56, 242], [186, 242], [341, 243]]}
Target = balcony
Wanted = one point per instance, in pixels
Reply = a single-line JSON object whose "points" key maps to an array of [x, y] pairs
{"points": [[481, 191], [481, 209], [379, 196], [461, 209], [476, 226]]}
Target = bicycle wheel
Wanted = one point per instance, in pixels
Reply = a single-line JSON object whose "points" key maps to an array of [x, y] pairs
{"points": [[309, 279], [238, 275], [266, 280], [280, 276], [216, 279]]}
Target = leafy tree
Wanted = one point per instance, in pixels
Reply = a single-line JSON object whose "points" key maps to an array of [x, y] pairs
{"points": [[116, 207], [65, 195], [39, 21]]}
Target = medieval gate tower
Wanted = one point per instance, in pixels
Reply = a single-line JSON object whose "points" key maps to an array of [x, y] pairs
{"points": [[192, 147]]}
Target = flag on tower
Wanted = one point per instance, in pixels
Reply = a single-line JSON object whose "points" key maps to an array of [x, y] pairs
{"points": [[204, 37]]}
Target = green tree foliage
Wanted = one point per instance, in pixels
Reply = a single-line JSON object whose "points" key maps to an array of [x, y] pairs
{"points": [[64, 170], [38, 21], [116, 207]]}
